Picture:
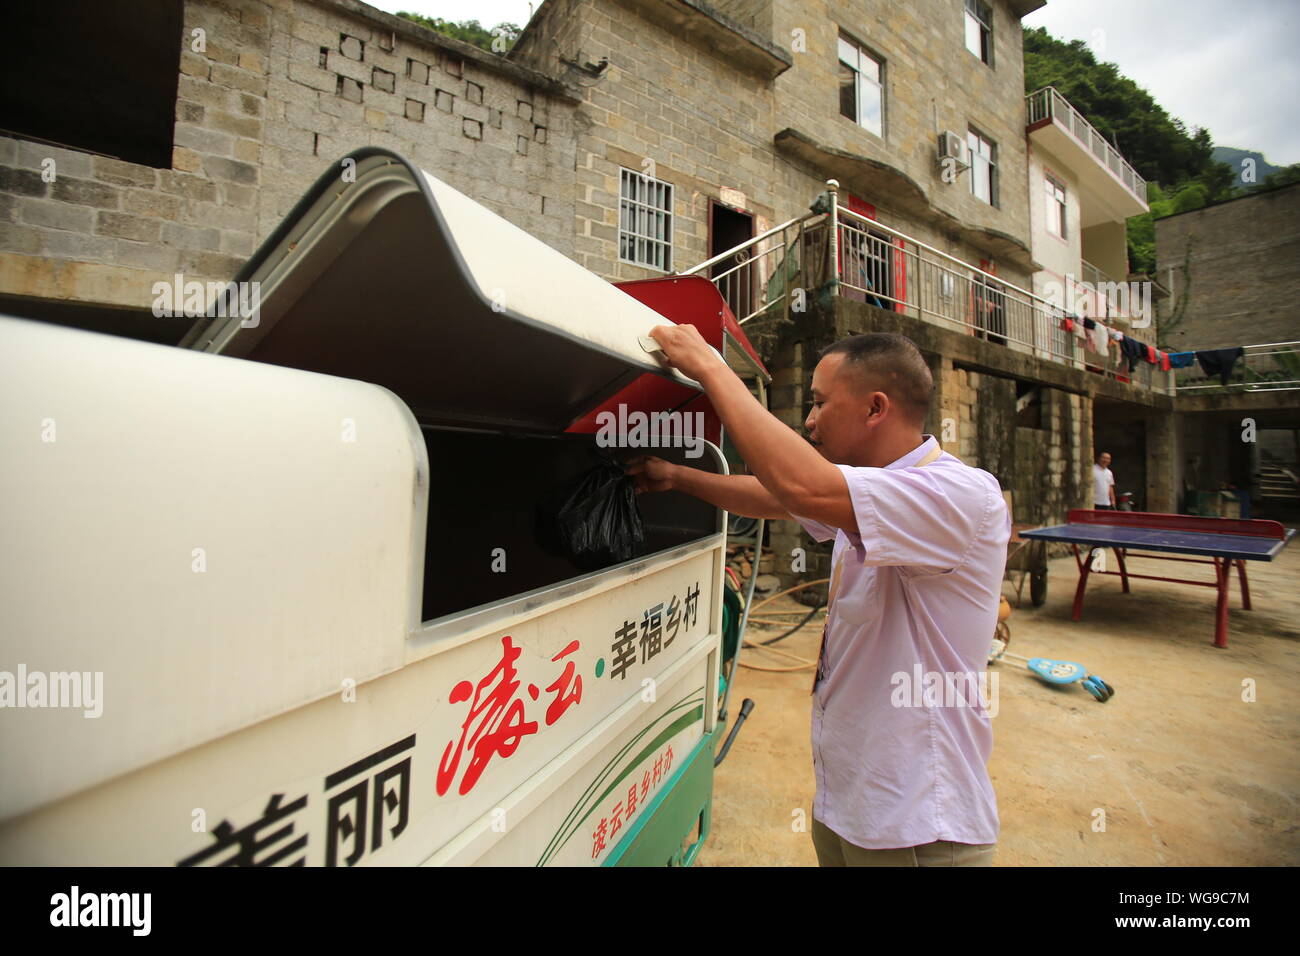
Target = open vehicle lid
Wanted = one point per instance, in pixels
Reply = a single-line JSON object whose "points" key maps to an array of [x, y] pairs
{"points": [[695, 299], [391, 276]]}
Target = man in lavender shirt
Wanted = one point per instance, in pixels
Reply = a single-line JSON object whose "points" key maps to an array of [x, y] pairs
{"points": [[901, 734]]}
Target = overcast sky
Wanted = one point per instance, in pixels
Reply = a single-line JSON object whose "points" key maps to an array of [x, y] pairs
{"points": [[1233, 68]]}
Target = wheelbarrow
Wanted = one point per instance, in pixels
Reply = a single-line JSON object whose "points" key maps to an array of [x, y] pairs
{"points": [[1046, 669], [1027, 557]]}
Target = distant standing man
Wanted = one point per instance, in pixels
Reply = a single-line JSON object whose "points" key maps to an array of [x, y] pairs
{"points": [[1103, 484], [920, 545]]}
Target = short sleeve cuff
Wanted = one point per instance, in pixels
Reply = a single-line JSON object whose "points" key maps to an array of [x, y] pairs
{"points": [[819, 531], [867, 533]]}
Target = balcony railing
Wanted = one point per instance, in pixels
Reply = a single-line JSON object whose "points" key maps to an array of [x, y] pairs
{"points": [[1047, 103], [1092, 274], [776, 273]]}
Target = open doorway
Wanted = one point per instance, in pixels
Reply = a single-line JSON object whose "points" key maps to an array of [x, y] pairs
{"points": [[734, 275], [1119, 430]]}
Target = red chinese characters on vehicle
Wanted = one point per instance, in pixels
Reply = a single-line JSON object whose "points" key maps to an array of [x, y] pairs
{"points": [[606, 831], [498, 715]]}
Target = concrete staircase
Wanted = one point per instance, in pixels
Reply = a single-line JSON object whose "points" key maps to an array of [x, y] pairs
{"points": [[1278, 485]]}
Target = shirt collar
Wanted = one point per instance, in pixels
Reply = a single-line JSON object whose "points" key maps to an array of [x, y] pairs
{"points": [[916, 454]]}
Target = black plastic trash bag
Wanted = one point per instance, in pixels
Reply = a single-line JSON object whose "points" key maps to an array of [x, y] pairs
{"points": [[593, 520]]}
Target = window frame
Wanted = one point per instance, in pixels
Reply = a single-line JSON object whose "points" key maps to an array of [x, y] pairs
{"points": [[974, 139], [642, 209], [860, 80], [979, 16], [1056, 193]]}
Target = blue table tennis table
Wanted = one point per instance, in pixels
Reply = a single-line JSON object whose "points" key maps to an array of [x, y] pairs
{"points": [[1223, 542]]}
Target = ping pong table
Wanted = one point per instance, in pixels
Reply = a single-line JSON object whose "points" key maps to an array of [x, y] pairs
{"points": [[1223, 542]]}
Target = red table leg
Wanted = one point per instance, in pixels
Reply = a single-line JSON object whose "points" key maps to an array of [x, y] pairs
{"points": [[1123, 571], [1245, 588], [1222, 569], [1084, 567]]}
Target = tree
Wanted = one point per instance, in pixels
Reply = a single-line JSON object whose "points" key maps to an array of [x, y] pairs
{"points": [[470, 31], [1282, 177]]}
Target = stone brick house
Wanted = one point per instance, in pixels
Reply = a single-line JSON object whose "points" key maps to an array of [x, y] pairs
{"points": [[745, 109], [638, 137]]}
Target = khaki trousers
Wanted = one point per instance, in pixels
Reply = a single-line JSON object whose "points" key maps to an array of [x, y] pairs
{"points": [[834, 850]]}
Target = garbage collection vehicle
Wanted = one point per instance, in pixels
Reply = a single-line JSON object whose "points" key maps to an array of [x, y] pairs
{"points": [[275, 596]]}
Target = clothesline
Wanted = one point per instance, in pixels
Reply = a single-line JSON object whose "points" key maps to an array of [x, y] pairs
{"points": [[1132, 351]]}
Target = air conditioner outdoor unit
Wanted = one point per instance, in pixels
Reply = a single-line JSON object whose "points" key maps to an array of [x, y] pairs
{"points": [[952, 146]]}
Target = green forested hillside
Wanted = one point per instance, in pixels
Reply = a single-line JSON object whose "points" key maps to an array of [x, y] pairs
{"points": [[1233, 157]]}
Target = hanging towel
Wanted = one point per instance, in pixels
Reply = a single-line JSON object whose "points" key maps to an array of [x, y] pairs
{"points": [[1067, 323], [1089, 324], [1151, 354], [1164, 362], [1097, 338], [1219, 362], [1132, 350], [1181, 359]]}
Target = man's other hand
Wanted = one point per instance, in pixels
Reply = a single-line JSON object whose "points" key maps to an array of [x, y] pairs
{"points": [[650, 473]]}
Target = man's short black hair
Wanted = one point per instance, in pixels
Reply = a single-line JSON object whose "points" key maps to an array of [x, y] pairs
{"points": [[890, 363]]}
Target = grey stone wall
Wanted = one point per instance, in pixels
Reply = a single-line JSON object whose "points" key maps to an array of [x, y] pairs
{"points": [[283, 90], [755, 14], [703, 120], [709, 122], [932, 84], [1234, 270]]}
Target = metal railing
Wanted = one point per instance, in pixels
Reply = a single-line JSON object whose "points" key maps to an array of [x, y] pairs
{"points": [[1089, 292], [1268, 367], [755, 277], [839, 252], [1048, 103], [1092, 274]]}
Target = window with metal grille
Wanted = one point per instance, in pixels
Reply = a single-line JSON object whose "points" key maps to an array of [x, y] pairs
{"points": [[1055, 207], [983, 167], [862, 87], [979, 30], [645, 221]]}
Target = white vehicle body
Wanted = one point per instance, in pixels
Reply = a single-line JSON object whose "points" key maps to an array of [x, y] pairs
{"points": [[297, 552]]}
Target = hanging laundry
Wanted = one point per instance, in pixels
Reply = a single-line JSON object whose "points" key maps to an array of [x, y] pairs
{"points": [[1220, 362], [1116, 335], [1181, 359], [1067, 323], [1164, 361], [1151, 354], [1100, 340], [1089, 324], [1132, 350]]}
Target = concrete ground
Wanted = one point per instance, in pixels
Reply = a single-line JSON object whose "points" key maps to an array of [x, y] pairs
{"points": [[1188, 773]]}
